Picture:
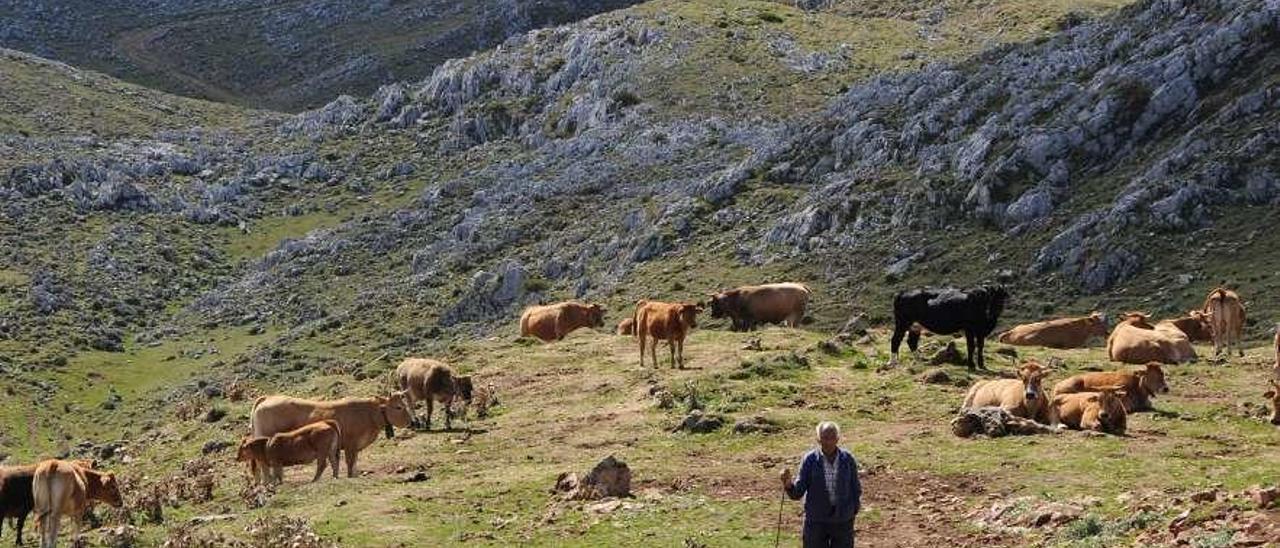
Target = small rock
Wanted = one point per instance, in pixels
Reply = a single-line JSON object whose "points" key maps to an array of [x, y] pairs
{"points": [[753, 344], [698, 422], [755, 424], [1263, 497], [935, 376], [214, 446], [214, 414], [1208, 495], [419, 476]]}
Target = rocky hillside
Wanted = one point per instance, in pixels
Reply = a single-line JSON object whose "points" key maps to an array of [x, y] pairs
{"points": [[281, 55]]}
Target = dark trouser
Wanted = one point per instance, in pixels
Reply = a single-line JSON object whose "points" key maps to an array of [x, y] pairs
{"points": [[828, 535]]}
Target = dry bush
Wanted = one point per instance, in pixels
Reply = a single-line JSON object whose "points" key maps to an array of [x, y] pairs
{"points": [[284, 531], [191, 407]]}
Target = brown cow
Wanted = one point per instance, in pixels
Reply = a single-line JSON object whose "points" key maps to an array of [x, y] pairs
{"points": [[1136, 341], [1060, 333], [1275, 369], [1139, 385], [552, 322], [15, 495], [1021, 397], [359, 419], [61, 488], [671, 322], [1101, 411], [1226, 314], [627, 326], [1273, 394], [318, 442], [1196, 325], [749, 305], [428, 380]]}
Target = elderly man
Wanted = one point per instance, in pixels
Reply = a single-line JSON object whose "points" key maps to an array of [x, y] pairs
{"points": [[828, 481]]}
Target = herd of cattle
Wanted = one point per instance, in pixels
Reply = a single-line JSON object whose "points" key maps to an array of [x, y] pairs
{"points": [[289, 431]]}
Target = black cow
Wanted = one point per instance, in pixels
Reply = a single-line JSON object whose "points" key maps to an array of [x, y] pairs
{"points": [[946, 311], [15, 495]]}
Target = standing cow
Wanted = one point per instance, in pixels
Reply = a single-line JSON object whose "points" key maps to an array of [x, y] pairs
{"points": [[552, 322], [1226, 315], [946, 311], [428, 380], [671, 322], [15, 495], [359, 419], [64, 488], [751, 305]]}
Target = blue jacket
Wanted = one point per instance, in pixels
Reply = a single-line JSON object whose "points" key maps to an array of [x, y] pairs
{"points": [[811, 482]]}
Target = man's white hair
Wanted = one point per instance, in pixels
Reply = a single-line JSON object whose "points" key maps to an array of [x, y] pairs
{"points": [[828, 426]]}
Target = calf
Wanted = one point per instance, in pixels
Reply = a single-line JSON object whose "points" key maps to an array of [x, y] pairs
{"points": [[671, 322], [627, 326], [1196, 325], [360, 419], [1273, 394], [61, 488], [318, 442], [1060, 333], [1101, 411], [946, 311], [433, 381], [1138, 386], [1021, 397]]}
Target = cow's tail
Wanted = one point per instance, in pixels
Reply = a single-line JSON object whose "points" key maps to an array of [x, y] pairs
{"points": [[42, 495], [524, 323], [253, 415], [332, 455], [969, 397]]}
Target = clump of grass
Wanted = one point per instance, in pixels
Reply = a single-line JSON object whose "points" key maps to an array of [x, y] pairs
{"points": [[769, 17], [1083, 528], [778, 366]]}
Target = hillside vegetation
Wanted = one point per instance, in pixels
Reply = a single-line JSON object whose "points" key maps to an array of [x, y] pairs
{"points": [[164, 257]]}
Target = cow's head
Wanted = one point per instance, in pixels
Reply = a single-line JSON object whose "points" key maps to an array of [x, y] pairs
{"points": [[250, 446], [595, 313], [1151, 379], [104, 487], [395, 408], [1031, 373], [1098, 324], [1274, 395], [1110, 403], [1136, 319], [462, 387], [689, 313], [719, 304]]}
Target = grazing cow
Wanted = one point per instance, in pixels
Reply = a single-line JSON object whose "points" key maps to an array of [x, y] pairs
{"points": [[552, 322], [1196, 325], [359, 419], [627, 326], [1101, 411], [1273, 394], [64, 488], [1021, 397], [1060, 333], [946, 311], [750, 305], [1136, 341], [432, 381], [671, 322], [1226, 315], [15, 495], [1139, 385], [318, 442]]}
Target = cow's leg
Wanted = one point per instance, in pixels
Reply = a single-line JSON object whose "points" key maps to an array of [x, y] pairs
{"points": [[277, 472], [22, 520], [448, 412], [320, 464], [351, 462], [895, 343], [913, 342], [682, 353], [640, 335], [333, 462], [653, 351], [430, 410], [969, 344], [413, 408], [671, 345]]}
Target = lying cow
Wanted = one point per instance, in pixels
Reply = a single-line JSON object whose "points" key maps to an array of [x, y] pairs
{"points": [[1136, 341], [318, 442], [1226, 315], [432, 381], [1195, 325], [359, 419], [1273, 395], [671, 322], [64, 488], [1138, 386], [751, 305], [974, 311], [1060, 333], [627, 326], [1101, 411], [1021, 397], [552, 322]]}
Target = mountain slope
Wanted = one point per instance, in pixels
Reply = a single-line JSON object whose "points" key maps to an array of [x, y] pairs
{"points": [[283, 55]]}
